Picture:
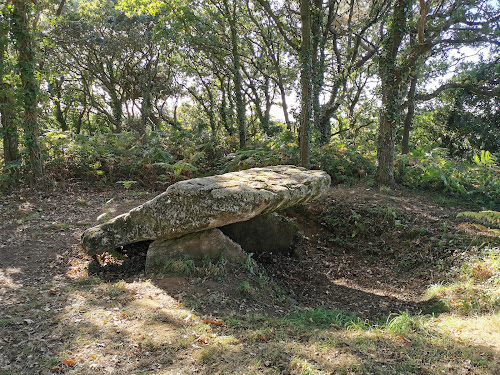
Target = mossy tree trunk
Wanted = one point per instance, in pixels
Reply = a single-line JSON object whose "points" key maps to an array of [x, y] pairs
{"points": [[8, 128], [239, 95], [305, 84], [390, 77], [29, 85]]}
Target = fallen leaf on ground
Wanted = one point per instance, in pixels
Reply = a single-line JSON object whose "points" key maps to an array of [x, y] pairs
{"points": [[214, 322], [69, 362]]}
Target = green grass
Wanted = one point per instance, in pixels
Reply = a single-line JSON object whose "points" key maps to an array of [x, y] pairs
{"points": [[325, 318]]}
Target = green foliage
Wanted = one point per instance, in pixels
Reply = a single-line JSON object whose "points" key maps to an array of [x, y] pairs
{"points": [[406, 323], [163, 159], [245, 289], [181, 266], [10, 173], [491, 217], [127, 184], [486, 159], [245, 159], [178, 168], [471, 119], [435, 171], [345, 223], [324, 318], [344, 163]]}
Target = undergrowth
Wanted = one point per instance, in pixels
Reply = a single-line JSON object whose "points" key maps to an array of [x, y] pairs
{"points": [[477, 181], [166, 157]]}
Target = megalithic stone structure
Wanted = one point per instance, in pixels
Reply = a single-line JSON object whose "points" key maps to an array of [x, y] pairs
{"points": [[209, 202]]}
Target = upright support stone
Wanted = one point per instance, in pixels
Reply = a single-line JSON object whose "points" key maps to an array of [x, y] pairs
{"points": [[270, 233], [210, 243], [209, 202]]}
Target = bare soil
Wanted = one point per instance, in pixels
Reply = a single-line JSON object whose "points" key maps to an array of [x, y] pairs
{"points": [[360, 250]]}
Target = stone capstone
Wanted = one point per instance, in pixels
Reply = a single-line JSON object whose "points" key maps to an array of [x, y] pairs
{"points": [[209, 202], [270, 233], [210, 243]]}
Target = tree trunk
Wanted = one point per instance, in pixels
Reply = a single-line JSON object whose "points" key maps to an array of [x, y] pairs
{"points": [[9, 129], [223, 110], [147, 102], [116, 101], [26, 66], [390, 78], [238, 81], [317, 70], [405, 147], [284, 105], [385, 144], [305, 84], [55, 89]]}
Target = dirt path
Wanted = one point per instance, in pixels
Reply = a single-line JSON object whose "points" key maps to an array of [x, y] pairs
{"points": [[39, 255], [354, 256]]}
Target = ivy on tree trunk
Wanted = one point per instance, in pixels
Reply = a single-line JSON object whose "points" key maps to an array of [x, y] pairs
{"points": [[8, 127], [29, 85], [390, 77], [305, 84]]}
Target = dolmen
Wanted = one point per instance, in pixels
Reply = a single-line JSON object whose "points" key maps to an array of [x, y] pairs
{"points": [[213, 216]]}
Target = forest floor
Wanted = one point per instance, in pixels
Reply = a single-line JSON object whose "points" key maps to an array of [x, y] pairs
{"points": [[378, 283]]}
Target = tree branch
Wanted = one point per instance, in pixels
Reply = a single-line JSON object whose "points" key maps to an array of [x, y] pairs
{"points": [[484, 91]]}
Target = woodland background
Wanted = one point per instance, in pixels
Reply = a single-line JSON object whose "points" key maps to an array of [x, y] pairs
{"points": [[135, 91]]}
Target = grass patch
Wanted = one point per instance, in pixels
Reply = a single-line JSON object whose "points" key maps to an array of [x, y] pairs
{"points": [[58, 226], [28, 217], [326, 318], [6, 321], [406, 323]]}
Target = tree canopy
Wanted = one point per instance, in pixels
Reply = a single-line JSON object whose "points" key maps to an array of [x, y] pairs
{"points": [[388, 74]]}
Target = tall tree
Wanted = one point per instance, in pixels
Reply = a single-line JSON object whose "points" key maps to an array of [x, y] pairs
{"points": [[231, 12], [7, 111], [390, 78], [26, 64], [306, 61], [414, 32]]}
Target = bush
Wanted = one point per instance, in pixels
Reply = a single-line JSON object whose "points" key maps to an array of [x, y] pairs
{"points": [[479, 181], [345, 164]]}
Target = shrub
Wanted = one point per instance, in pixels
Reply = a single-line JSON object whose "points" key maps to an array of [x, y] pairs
{"points": [[345, 164], [479, 181]]}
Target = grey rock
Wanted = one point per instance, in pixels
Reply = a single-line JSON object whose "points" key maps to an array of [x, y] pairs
{"points": [[270, 233], [210, 243], [209, 202]]}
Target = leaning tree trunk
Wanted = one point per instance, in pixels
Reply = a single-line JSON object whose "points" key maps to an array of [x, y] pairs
{"points": [[55, 89], [26, 65], [410, 114]]}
